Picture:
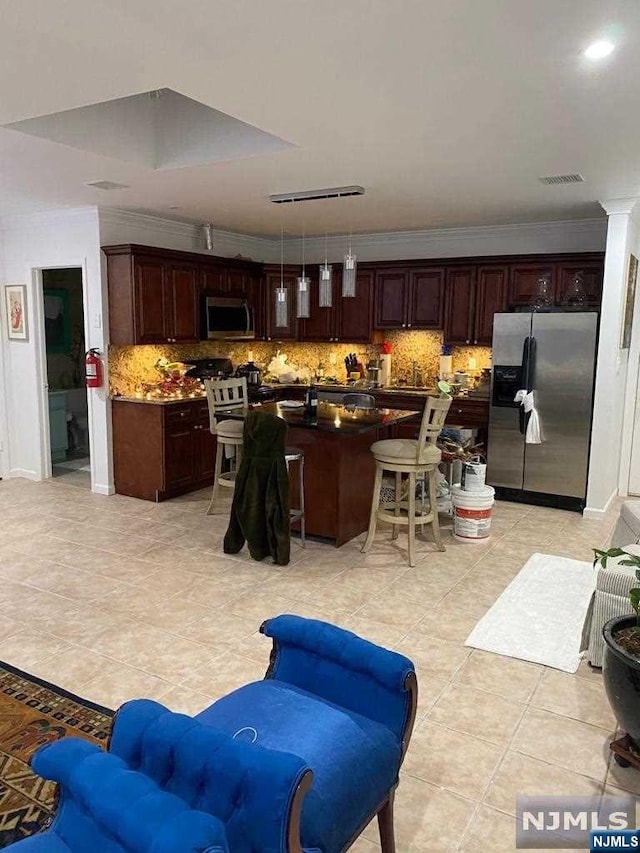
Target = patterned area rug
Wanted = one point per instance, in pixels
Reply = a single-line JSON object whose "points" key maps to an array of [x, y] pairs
{"points": [[32, 713]]}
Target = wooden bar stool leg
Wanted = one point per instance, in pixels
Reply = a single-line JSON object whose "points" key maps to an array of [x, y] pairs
{"points": [[435, 522], [302, 520], [397, 510], [216, 476], [412, 518], [373, 518]]}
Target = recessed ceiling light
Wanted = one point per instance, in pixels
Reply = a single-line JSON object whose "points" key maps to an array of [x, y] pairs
{"points": [[599, 49]]}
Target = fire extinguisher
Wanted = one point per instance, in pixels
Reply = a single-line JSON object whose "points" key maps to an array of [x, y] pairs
{"points": [[93, 369]]}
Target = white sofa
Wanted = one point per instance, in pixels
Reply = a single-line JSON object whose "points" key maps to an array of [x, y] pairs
{"points": [[611, 597]]}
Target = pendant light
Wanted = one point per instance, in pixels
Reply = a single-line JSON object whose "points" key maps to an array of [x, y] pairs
{"points": [[281, 306], [325, 296], [349, 272], [304, 282]]}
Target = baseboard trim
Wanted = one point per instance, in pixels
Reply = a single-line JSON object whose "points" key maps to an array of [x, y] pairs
{"points": [[25, 474], [102, 489], [592, 514]]}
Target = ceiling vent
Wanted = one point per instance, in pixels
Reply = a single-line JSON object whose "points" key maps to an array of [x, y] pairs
{"points": [[107, 185], [562, 179], [314, 195]]}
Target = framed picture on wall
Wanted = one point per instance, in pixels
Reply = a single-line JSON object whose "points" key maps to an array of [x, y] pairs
{"points": [[57, 320], [627, 317], [15, 296]]}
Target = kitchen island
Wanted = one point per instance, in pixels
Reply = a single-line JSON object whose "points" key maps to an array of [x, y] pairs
{"points": [[339, 467]]}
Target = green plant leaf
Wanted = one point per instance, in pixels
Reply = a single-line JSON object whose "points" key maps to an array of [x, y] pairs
{"points": [[634, 598]]}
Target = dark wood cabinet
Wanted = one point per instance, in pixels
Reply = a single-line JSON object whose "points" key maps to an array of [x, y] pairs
{"points": [[354, 314], [320, 325], [273, 280], [460, 295], [591, 275], [149, 299], [154, 293], [213, 280], [491, 298], [161, 450], [391, 299], [425, 303], [181, 295], [523, 282], [409, 298]]}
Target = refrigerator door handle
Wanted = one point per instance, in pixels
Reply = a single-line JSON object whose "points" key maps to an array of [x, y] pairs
{"points": [[531, 366], [524, 372]]}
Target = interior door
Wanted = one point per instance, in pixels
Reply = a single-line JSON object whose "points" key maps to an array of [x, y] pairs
{"points": [[505, 453], [563, 385]]}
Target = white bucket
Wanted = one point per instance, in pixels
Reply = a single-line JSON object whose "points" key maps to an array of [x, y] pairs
{"points": [[473, 475], [472, 513]]}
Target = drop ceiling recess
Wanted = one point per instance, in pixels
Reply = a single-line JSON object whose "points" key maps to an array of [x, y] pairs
{"points": [[161, 129]]}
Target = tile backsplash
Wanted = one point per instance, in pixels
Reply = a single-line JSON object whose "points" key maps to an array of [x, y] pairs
{"points": [[130, 366]]}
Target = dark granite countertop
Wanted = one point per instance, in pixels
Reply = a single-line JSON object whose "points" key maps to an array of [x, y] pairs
{"points": [[331, 417]]}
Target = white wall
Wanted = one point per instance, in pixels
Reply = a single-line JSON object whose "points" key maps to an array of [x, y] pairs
{"points": [[4, 444], [121, 226], [586, 235], [611, 374], [630, 442], [61, 238]]}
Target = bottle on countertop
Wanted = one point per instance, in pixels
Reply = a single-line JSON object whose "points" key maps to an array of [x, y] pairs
{"points": [[311, 403]]}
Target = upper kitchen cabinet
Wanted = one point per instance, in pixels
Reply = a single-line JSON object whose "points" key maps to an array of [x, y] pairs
{"points": [[181, 299], [354, 314], [460, 298], [409, 298], [154, 293], [349, 317], [591, 275], [151, 299], [491, 298], [390, 299], [273, 279], [320, 324], [524, 278], [425, 303]]}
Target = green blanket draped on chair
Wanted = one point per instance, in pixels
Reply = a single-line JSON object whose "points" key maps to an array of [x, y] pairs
{"points": [[260, 509]]}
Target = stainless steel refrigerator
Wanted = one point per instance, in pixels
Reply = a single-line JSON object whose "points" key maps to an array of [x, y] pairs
{"points": [[553, 355]]}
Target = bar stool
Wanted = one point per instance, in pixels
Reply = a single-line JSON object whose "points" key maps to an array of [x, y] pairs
{"points": [[225, 394], [414, 458], [295, 454]]}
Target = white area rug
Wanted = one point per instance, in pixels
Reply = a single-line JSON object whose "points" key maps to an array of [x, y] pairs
{"points": [[541, 614]]}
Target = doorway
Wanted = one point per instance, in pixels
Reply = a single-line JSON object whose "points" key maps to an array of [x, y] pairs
{"points": [[64, 325]]}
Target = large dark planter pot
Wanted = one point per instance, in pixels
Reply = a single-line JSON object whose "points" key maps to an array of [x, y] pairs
{"points": [[621, 674]]}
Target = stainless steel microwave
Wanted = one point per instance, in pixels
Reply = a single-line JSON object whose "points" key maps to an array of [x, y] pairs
{"points": [[227, 318]]}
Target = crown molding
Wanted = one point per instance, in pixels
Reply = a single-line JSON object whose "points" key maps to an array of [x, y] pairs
{"points": [[619, 205], [557, 235], [225, 243]]}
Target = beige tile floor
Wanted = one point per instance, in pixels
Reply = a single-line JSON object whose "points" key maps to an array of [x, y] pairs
{"points": [[114, 598]]}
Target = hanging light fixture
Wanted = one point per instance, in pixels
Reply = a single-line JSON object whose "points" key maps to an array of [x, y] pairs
{"points": [[281, 306], [304, 282], [349, 272], [325, 296]]}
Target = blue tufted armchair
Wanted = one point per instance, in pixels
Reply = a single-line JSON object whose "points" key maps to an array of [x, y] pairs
{"points": [[299, 762], [346, 707], [105, 807]]}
